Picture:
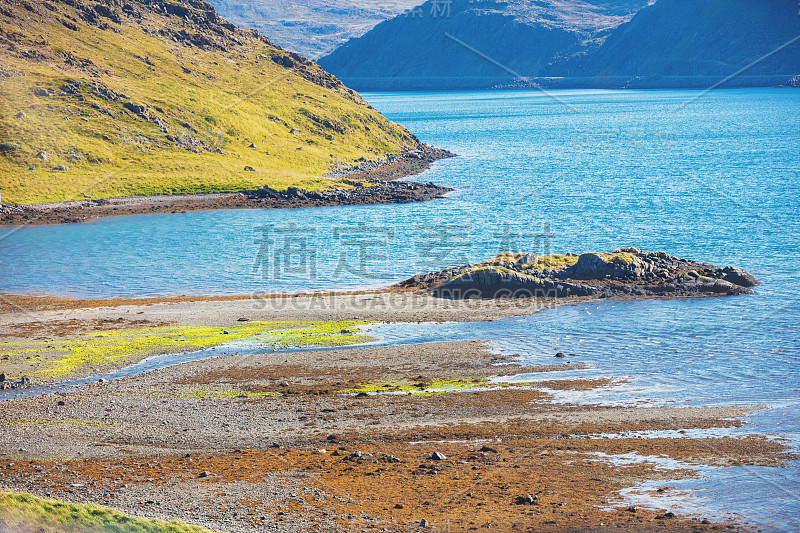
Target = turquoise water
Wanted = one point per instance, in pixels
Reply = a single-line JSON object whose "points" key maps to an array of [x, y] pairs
{"points": [[714, 180]]}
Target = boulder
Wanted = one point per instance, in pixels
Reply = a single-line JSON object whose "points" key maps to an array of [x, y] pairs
{"points": [[500, 282], [527, 259], [590, 266], [267, 192], [9, 147], [294, 192], [739, 277], [61, 168]]}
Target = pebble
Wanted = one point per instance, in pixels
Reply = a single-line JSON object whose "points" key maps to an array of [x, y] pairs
{"points": [[526, 500]]}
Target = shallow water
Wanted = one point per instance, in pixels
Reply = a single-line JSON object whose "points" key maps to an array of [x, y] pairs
{"points": [[716, 180]]}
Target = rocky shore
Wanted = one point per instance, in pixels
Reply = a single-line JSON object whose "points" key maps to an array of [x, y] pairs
{"points": [[367, 183], [625, 272]]}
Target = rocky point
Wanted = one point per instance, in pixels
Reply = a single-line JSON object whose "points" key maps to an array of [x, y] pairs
{"points": [[625, 272]]}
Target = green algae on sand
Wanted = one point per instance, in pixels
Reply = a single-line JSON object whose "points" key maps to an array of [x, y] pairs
{"points": [[63, 358], [439, 386]]}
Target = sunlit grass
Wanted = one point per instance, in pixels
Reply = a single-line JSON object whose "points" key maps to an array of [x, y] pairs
{"points": [[24, 513], [227, 100]]}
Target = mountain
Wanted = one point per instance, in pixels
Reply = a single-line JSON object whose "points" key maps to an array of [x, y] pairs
{"points": [[129, 97], [311, 27], [413, 50], [700, 39], [666, 43]]}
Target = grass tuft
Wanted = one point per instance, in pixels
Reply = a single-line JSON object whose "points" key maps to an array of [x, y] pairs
{"points": [[25, 513]]}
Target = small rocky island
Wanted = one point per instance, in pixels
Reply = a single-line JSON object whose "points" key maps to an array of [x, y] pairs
{"points": [[626, 272]]}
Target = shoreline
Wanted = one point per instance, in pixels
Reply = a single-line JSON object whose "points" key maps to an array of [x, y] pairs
{"points": [[156, 443], [24, 316], [505, 287], [370, 183], [252, 432], [403, 437]]}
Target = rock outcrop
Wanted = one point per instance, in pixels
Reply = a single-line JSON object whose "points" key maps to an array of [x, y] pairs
{"points": [[361, 193], [626, 272]]}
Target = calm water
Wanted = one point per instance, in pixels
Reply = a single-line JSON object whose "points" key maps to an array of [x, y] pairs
{"points": [[715, 180]]}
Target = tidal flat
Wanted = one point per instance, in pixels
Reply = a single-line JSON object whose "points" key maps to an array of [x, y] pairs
{"points": [[357, 437]]}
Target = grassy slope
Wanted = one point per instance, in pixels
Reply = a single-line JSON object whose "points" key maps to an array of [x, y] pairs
{"points": [[23, 513], [231, 97]]}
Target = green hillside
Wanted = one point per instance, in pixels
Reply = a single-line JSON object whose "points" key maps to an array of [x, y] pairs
{"points": [[163, 96]]}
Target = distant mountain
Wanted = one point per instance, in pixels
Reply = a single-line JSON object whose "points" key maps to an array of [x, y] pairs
{"points": [[413, 50], [130, 97], [592, 43], [699, 38], [311, 27]]}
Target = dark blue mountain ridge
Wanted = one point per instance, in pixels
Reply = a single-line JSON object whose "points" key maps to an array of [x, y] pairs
{"points": [[698, 38], [413, 50], [592, 43]]}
